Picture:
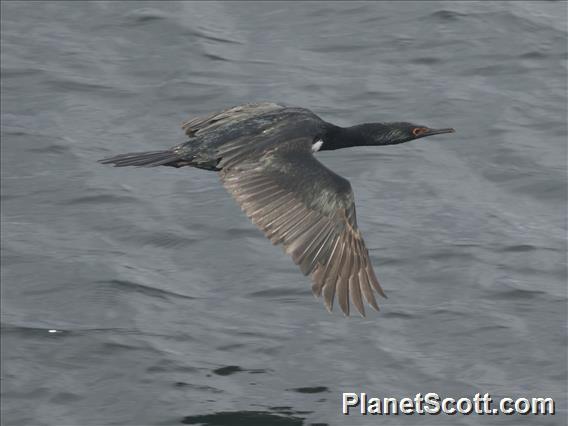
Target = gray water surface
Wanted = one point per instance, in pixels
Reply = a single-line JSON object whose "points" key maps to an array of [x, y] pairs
{"points": [[171, 308]]}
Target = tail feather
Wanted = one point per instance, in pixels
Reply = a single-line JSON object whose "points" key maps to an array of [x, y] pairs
{"points": [[144, 159]]}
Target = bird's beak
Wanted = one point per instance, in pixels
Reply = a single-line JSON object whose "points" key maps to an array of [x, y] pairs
{"points": [[431, 132]]}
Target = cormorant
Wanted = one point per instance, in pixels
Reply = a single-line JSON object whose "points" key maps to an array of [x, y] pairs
{"points": [[264, 155]]}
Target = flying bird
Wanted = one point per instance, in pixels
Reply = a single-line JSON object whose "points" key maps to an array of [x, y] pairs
{"points": [[264, 155]]}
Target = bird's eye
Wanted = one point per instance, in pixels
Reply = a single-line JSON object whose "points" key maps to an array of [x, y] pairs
{"points": [[417, 131]]}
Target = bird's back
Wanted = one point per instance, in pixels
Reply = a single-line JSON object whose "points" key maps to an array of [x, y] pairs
{"points": [[227, 118], [244, 125]]}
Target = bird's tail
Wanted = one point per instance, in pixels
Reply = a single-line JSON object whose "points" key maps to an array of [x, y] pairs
{"points": [[144, 159]]}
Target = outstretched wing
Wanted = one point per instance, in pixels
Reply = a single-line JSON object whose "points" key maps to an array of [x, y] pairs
{"points": [[299, 203]]}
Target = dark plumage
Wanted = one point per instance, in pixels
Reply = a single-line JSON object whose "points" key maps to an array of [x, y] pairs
{"points": [[264, 155]]}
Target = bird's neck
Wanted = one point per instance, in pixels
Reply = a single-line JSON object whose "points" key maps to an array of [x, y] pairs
{"points": [[336, 137]]}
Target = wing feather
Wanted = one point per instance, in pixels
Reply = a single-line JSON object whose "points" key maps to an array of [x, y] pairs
{"points": [[343, 279], [299, 203], [355, 289]]}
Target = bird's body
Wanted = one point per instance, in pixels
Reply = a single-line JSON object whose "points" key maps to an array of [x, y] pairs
{"points": [[264, 155], [210, 135]]}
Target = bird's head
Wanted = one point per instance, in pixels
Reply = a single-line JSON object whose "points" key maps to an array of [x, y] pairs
{"points": [[370, 134], [395, 133]]}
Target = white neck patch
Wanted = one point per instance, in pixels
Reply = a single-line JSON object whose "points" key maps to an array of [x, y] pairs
{"points": [[317, 145]]}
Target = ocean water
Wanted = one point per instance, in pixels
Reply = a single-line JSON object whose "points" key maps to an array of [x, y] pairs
{"points": [[168, 307]]}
